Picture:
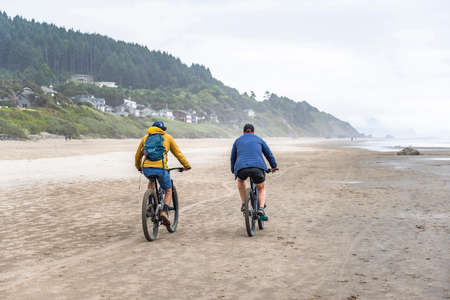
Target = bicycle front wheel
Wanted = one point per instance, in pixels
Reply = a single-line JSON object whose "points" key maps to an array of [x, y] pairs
{"points": [[249, 213], [260, 223], [150, 225], [173, 211]]}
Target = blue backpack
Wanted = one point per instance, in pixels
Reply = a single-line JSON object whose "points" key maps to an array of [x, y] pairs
{"points": [[154, 148]]}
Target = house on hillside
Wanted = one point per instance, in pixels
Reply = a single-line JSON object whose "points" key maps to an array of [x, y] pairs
{"points": [[109, 84], [166, 113], [26, 98], [83, 78], [183, 116], [121, 110], [97, 103], [27, 92], [195, 117], [250, 113], [213, 117], [146, 112], [127, 108], [23, 101], [49, 90], [100, 104], [131, 106], [109, 109]]}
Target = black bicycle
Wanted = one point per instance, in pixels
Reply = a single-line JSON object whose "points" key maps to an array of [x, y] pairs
{"points": [[251, 209], [152, 205]]}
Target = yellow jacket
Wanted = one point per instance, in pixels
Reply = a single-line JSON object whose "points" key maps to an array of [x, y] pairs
{"points": [[168, 143]]}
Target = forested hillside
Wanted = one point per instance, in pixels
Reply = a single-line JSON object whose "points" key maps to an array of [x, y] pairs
{"points": [[34, 54], [44, 52]]}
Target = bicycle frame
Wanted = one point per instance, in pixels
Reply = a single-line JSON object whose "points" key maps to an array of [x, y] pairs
{"points": [[151, 209], [160, 194], [254, 200], [254, 196]]}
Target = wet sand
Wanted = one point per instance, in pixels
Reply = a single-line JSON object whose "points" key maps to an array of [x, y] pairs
{"points": [[344, 224]]}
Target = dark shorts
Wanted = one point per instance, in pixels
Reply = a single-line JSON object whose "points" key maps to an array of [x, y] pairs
{"points": [[256, 174]]}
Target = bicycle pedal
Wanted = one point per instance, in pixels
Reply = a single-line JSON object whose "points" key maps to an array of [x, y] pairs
{"points": [[263, 218]]}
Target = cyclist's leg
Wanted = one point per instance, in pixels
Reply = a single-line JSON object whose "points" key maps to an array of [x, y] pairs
{"points": [[168, 196], [147, 173], [166, 185], [261, 194], [259, 178], [241, 189]]}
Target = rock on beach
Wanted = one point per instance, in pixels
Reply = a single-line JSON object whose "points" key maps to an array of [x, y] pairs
{"points": [[408, 151]]}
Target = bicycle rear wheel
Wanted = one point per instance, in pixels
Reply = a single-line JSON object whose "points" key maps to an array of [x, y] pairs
{"points": [[173, 211], [149, 224], [249, 214]]}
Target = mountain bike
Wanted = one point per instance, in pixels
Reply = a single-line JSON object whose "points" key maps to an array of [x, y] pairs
{"points": [[152, 205], [251, 209]]}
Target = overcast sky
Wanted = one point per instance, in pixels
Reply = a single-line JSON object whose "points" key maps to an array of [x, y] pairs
{"points": [[384, 66]]}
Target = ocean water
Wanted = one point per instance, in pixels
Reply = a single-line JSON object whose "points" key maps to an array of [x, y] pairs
{"points": [[435, 158], [394, 145]]}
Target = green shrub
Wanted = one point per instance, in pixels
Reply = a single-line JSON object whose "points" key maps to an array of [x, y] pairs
{"points": [[10, 129]]}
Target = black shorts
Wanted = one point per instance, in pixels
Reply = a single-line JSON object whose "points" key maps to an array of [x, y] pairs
{"points": [[256, 174]]}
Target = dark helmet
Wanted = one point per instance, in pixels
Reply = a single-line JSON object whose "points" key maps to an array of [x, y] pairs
{"points": [[249, 128], [159, 124]]}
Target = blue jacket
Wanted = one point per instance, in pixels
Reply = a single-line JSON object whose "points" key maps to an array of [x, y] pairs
{"points": [[247, 152]]}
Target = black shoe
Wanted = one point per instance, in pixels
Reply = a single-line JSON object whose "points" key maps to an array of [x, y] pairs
{"points": [[243, 207]]}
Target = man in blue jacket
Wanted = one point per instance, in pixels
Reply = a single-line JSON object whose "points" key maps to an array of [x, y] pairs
{"points": [[247, 161]]}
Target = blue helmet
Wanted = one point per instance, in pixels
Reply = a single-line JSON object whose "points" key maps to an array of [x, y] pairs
{"points": [[159, 124]]}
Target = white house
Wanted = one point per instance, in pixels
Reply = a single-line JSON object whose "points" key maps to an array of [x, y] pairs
{"points": [[131, 106], [166, 113], [250, 113], [49, 90], [109, 84], [109, 109], [100, 104]]}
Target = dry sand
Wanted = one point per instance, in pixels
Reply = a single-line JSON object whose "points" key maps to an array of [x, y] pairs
{"points": [[344, 224]]}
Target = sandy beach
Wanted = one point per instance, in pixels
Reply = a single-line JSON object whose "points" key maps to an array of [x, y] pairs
{"points": [[344, 223]]}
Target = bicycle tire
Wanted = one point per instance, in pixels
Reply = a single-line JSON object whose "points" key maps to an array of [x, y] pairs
{"points": [[149, 227], [260, 223], [248, 214], [173, 214]]}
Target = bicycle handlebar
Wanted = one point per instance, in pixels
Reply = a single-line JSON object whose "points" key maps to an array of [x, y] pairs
{"points": [[270, 170], [177, 169]]}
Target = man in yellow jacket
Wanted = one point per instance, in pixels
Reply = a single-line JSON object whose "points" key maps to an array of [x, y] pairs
{"points": [[159, 168]]}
